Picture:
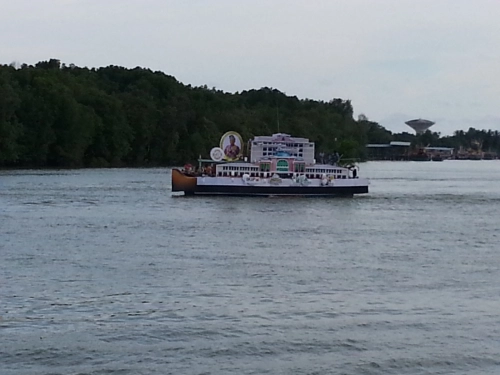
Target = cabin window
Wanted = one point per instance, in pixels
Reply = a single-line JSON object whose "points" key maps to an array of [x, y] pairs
{"points": [[282, 166], [300, 168], [265, 167]]}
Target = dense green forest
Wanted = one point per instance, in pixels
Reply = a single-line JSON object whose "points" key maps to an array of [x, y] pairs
{"points": [[57, 115]]}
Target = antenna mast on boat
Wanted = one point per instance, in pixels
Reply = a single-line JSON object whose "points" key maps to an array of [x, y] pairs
{"points": [[278, 118]]}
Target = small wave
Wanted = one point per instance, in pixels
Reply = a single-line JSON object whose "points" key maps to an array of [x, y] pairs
{"points": [[431, 364]]}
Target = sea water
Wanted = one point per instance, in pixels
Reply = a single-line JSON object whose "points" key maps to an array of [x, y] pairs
{"points": [[104, 271]]}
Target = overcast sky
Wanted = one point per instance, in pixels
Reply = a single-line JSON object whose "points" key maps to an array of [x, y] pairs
{"points": [[395, 60]]}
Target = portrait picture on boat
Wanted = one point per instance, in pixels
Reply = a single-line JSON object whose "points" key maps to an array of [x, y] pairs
{"points": [[231, 142]]}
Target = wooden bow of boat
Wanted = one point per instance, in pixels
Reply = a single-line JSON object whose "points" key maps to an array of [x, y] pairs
{"points": [[183, 182]]}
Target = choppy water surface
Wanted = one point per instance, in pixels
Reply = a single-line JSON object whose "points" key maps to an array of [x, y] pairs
{"points": [[104, 272]]}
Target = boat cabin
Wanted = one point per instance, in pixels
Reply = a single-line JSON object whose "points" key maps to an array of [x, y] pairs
{"points": [[279, 154], [264, 170]]}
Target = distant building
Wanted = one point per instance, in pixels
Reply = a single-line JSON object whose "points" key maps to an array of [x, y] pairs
{"points": [[402, 151], [444, 152], [391, 151]]}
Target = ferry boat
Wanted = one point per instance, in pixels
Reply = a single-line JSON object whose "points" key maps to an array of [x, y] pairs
{"points": [[277, 165]]}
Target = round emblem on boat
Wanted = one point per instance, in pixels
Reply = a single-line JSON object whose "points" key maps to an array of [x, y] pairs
{"points": [[217, 154]]}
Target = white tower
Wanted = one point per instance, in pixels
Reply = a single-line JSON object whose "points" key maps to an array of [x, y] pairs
{"points": [[419, 125]]}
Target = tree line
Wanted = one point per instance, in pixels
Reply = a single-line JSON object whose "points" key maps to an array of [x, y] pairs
{"points": [[57, 115]]}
